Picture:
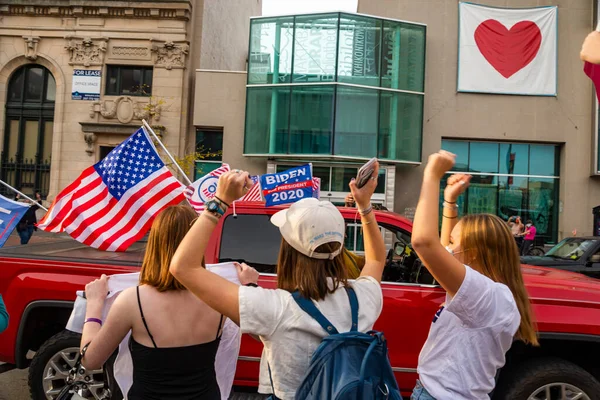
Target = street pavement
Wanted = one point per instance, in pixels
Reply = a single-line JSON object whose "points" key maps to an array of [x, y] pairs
{"points": [[13, 386]]}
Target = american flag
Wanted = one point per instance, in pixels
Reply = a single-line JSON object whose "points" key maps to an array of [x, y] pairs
{"points": [[204, 188], [113, 203], [254, 194]]}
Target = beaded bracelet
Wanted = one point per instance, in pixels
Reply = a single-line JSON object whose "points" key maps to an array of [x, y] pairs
{"points": [[365, 211]]}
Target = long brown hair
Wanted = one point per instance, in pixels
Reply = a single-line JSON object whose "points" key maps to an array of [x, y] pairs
{"points": [[167, 232], [295, 271], [489, 243]]}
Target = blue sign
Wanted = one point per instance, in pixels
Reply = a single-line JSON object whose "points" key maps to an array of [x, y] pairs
{"points": [[288, 186], [86, 84], [11, 213]]}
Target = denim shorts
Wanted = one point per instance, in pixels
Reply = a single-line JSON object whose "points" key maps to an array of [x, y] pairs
{"points": [[420, 393]]}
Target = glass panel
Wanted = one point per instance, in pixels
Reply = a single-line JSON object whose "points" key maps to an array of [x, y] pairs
{"points": [[112, 81], [47, 149], [210, 143], [203, 168], [30, 140], [315, 44], [13, 139], [400, 126], [403, 56], [34, 84], [241, 243], [350, 236], [267, 111], [323, 173], [148, 81], [542, 207], [131, 81], [341, 177], [311, 119], [512, 197], [461, 149], [15, 88], [50, 88], [514, 158], [380, 181], [482, 195], [356, 122], [271, 50], [483, 157], [542, 160], [359, 50]]}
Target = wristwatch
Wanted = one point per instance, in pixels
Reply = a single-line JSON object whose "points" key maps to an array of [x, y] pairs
{"points": [[214, 206]]}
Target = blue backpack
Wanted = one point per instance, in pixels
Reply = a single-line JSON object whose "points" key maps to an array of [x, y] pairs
{"points": [[350, 365]]}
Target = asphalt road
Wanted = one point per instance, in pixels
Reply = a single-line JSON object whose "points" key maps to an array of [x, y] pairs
{"points": [[13, 386]]}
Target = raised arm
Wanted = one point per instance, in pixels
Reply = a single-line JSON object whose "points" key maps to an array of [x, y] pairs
{"points": [[456, 185], [219, 293], [374, 245], [446, 269]]}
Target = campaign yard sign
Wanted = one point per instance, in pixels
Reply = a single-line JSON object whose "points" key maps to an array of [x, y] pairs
{"points": [[86, 84], [287, 186]]}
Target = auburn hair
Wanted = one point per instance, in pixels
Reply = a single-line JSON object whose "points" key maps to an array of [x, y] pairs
{"points": [[490, 244], [167, 232], [295, 271]]}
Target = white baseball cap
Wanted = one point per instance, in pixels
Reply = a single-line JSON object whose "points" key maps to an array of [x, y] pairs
{"points": [[310, 223]]}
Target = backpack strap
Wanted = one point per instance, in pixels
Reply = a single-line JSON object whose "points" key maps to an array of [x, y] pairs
{"points": [[353, 307], [309, 307]]}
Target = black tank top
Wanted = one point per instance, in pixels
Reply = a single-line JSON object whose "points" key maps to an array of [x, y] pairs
{"points": [[182, 373]]}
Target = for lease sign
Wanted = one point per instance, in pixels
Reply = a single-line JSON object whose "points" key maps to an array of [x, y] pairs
{"points": [[86, 84]]}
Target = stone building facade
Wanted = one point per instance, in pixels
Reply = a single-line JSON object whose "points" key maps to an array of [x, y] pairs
{"points": [[76, 78]]}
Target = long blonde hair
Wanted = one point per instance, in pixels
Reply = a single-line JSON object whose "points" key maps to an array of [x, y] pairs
{"points": [[491, 246], [167, 232]]}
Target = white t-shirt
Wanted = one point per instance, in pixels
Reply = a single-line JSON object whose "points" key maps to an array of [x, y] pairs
{"points": [[468, 340], [290, 336]]}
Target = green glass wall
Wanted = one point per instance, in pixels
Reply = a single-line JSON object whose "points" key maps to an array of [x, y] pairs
{"points": [[510, 179], [335, 85]]}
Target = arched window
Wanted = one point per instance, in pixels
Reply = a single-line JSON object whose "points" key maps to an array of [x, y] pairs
{"points": [[27, 147]]}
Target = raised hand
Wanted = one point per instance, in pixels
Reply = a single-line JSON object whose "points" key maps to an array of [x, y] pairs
{"points": [[97, 290], [362, 196], [439, 163], [246, 273], [233, 185], [457, 184]]}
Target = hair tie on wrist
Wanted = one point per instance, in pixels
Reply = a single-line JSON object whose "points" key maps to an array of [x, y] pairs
{"points": [[96, 320], [218, 198]]}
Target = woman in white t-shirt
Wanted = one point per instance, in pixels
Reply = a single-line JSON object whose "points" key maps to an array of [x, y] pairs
{"points": [[477, 263], [310, 261]]}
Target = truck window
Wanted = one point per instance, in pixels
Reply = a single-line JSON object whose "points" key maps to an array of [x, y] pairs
{"points": [[251, 239]]}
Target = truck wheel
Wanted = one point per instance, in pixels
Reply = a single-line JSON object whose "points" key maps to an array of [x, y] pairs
{"points": [[547, 379], [537, 251], [51, 364]]}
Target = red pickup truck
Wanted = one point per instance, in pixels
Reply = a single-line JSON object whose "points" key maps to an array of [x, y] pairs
{"points": [[39, 283]]}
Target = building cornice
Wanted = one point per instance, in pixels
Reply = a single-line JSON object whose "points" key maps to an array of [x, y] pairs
{"points": [[165, 9]]}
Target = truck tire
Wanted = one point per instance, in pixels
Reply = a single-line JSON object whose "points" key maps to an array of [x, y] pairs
{"points": [[53, 361], [537, 378]]}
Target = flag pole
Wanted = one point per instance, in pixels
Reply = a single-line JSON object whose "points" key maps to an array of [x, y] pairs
{"points": [[162, 146], [23, 194]]}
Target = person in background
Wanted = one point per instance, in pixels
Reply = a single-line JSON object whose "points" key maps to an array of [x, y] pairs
{"points": [[516, 228], [173, 352], [310, 262], [353, 262], [349, 201], [529, 237], [3, 316], [26, 225], [477, 263]]}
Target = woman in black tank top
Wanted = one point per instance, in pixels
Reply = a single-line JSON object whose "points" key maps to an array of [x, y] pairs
{"points": [[159, 372]]}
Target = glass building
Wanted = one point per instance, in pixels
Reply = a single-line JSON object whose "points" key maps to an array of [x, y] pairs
{"points": [[510, 179], [335, 86]]}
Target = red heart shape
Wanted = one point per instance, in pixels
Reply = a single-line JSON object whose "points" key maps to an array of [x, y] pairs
{"points": [[508, 51]]}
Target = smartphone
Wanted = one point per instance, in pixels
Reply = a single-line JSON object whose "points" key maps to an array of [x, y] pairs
{"points": [[365, 172]]}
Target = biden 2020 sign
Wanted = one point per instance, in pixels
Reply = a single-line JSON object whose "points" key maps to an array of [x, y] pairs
{"points": [[288, 186]]}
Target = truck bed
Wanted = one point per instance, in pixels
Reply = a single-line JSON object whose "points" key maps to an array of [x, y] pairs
{"points": [[67, 249]]}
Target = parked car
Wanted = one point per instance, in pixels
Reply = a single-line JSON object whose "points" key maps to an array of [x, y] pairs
{"points": [[575, 254], [39, 288]]}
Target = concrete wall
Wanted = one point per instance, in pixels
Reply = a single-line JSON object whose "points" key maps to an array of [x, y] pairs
{"points": [[566, 119], [221, 103]]}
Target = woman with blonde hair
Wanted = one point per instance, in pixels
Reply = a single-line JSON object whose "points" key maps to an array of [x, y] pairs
{"points": [[310, 263], [477, 262], [174, 336]]}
